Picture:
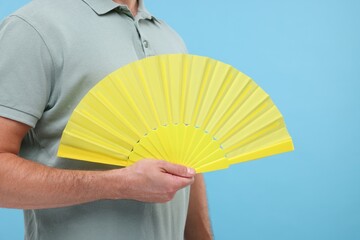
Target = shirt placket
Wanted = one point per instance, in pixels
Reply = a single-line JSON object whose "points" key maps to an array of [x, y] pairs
{"points": [[145, 42], [139, 23]]}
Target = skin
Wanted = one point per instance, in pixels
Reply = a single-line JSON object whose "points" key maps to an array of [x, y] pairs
{"points": [[198, 221], [25, 184], [28, 185], [132, 5]]}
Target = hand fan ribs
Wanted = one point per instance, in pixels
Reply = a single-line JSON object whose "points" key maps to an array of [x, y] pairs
{"points": [[181, 108]]}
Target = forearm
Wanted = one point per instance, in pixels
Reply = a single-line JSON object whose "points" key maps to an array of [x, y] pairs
{"points": [[198, 222], [28, 185]]}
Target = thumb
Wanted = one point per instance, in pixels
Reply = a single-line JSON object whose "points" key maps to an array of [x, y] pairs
{"points": [[178, 170]]}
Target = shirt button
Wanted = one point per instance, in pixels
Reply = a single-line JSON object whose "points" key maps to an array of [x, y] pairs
{"points": [[146, 44]]}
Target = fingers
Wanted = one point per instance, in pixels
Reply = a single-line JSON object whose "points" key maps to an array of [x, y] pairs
{"points": [[180, 182], [155, 180], [177, 170]]}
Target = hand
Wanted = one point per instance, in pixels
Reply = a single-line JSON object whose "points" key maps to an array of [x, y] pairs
{"points": [[155, 180]]}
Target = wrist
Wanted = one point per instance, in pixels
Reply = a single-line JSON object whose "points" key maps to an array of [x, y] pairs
{"points": [[114, 184]]}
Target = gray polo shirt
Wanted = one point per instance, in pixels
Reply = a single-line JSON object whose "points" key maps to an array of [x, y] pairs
{"points": [[51, 53]]}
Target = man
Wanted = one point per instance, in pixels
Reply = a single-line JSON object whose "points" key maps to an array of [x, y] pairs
{"points": [[51, 53]]}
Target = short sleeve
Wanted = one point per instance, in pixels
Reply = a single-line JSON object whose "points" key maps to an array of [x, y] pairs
{"points": [[26, 70]]}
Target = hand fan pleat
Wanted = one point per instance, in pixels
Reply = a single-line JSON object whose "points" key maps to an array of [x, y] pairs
{"points": [[181, 108]]}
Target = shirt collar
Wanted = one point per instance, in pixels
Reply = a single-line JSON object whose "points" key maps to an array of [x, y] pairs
{"points": [[102, 7]]}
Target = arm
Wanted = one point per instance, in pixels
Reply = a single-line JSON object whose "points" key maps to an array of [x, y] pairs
{"points": [[198, 222], [28, 185]]}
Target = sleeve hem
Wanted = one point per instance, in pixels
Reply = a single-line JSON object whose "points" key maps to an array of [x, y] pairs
{"points": [[18, 116]]}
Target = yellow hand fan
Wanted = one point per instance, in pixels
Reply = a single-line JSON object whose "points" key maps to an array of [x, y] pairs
{"points": [[181, 108]]}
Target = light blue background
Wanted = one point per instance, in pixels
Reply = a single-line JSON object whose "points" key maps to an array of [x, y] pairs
{"points": [[306, 55]]}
